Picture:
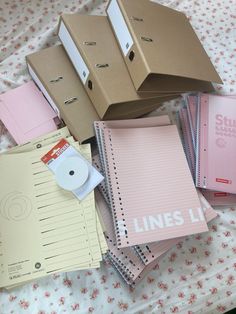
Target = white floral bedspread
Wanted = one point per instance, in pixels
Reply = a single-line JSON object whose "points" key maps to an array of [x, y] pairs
{"points": [[197, 276]]}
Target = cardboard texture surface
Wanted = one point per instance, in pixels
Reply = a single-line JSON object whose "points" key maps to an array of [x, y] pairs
{"points": [[160, 48], [94, 52], [61, 82]]}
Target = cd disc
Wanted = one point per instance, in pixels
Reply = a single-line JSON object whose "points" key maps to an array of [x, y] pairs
{"points": [[72, 173]]}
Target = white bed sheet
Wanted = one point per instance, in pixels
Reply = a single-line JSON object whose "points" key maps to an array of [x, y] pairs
{"points": [[198, 275]]}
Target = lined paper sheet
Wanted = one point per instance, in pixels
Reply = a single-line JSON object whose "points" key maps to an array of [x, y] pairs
{"points": [[153, 194], [99, 126]]}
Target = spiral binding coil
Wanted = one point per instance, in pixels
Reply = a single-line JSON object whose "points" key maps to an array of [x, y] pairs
{"points": [[119, 241], [141, 254], [197, 163], [125, 276], [186, 147], [123, 268], [104, 161]]}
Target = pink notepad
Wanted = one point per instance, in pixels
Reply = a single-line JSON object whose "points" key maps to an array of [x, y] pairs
{"points": [[26, 113], [216, 149], [152, 191]]}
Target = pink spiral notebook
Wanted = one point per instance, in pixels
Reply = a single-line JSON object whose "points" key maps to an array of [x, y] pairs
{"points": [[153, 197], [215, 198], [152, 251], [216, 143]]}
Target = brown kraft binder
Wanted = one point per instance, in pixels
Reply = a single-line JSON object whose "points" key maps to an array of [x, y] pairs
{"points": [[160, 48], [54, 74], [94, 52]]}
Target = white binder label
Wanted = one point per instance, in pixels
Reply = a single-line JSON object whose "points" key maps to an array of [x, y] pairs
{"points": [[73, 53], [120, 28]]}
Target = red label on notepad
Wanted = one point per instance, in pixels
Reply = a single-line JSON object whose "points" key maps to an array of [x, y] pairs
{"points": [[223, 181], [220, 194], [56, 151]]}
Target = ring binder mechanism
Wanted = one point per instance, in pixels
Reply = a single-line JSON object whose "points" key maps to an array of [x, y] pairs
{"points": [[61, 86], [111, 91], [166, 65]]}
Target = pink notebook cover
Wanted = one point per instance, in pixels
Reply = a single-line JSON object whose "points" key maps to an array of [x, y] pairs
{"points": [[216, 151], [152, 251], [153, 197], [215, 198], [126, 258], [26, 113]]}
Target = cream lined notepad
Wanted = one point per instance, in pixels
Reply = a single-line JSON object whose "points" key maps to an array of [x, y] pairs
{"points": [[44, 229], [153, 194]]}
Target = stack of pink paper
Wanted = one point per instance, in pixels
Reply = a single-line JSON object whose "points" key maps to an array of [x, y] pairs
{"points": [[26, 114], [209, 137], [148, 201]]}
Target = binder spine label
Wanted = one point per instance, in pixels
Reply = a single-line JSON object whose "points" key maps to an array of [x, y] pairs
{"points": [[73, 53], [120, 28]]}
